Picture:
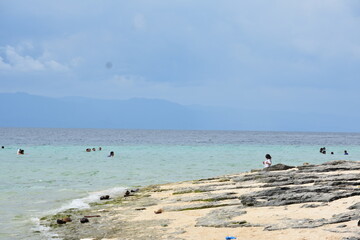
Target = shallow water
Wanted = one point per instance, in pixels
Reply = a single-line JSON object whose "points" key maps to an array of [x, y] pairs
{"points": [[56, 173]]}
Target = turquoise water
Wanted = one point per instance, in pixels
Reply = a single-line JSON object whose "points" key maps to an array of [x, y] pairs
{"points": [[57, 173]]}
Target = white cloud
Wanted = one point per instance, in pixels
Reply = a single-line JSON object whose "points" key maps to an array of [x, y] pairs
{"points": [[3, 65], [128, 81], [13, 59]]}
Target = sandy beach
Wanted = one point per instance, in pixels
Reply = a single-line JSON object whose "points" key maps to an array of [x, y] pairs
{"points": [[282, 202]]}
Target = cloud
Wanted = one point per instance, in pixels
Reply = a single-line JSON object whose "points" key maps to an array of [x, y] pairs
{"points": [[257, 54], [14, 60]]}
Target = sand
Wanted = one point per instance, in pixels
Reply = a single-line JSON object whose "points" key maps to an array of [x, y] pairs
{"points": [[216, 203]]}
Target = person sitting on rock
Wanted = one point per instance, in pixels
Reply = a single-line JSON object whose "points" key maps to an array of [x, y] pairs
{"points": [[267, 162]]}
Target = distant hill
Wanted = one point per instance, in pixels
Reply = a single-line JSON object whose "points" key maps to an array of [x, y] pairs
{"points": [[25, 110]]}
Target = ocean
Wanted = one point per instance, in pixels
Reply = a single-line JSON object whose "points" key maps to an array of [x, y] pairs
{"points": [[56, 173]]}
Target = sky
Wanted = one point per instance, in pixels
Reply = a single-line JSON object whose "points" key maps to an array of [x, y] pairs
{"points": [[279, 55]]}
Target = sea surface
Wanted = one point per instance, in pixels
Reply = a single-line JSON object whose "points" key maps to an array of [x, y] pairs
{"points": [[56, 173]]}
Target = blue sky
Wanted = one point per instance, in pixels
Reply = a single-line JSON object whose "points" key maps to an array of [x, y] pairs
{"points": [[282, 55]]}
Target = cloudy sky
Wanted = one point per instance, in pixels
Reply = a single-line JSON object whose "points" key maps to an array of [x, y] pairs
{"points": [[283, 55]]}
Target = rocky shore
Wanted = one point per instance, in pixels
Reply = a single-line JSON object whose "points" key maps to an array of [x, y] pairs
{"points": [[280, 202]]}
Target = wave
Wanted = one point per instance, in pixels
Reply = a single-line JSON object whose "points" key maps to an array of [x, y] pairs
{"points": [[83, 203], [80, 203]]}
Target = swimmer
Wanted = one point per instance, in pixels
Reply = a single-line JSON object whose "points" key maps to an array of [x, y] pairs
{"points": [[100, 148], [111, 154], [346, 153], [20, 152], [88, 150], [323, 150], [94, 149]]}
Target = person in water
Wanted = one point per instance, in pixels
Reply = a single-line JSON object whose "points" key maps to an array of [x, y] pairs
{"points": [[346, 153], [20, 151], [267, 162], [111, 154], [323, 150]]}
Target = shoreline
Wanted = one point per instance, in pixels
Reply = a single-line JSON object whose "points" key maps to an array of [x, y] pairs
{"points": [[281, 202]]}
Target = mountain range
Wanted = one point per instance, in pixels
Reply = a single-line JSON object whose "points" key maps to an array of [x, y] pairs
{"points": [[26, 110]]}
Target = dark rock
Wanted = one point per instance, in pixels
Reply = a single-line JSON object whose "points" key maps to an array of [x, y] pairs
{"points": [[140, 209], [106, 197], [92, 216], [355, 206], [60, 221], [67, 219], [84, 220]]}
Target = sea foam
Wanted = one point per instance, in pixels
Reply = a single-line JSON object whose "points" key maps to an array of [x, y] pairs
{"points": [[83, 203]]}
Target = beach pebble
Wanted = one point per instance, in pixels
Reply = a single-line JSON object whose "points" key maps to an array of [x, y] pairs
{"points": [[92, 216], [67, 219], [158, 211], [140, 209], [84, 220], [106, 197], [60, 221]]}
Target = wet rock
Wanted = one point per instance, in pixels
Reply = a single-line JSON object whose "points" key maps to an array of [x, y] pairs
{"points": [[60, 221], [84, 220], [105, 197], [67, 219]]}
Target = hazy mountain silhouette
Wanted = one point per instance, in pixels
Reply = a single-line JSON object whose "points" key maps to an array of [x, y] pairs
{"points": [[25, 110]]}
